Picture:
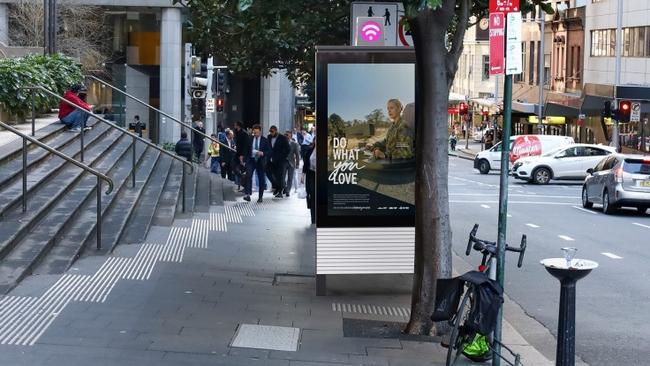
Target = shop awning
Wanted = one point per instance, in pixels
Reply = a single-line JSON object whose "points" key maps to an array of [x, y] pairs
{"points": [[555, 109], [593, 105], [526, 108], [455, 97]]}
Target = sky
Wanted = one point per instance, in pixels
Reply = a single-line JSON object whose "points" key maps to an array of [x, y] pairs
{"points": [[355, 90]]}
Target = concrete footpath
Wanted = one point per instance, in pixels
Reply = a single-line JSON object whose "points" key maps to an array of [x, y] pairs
{"points": [[234, 286]]}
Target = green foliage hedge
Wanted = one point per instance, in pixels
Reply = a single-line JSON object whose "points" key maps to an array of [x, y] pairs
{"points": [[54, 72]]}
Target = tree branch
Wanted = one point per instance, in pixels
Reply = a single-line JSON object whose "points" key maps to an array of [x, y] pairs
{"points": [[457, 41]]}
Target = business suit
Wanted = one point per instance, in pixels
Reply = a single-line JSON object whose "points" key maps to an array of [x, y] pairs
{"points": [[243, 146], [227, 160], [293, 162], [257, 164], [310, 182], [277, 163]]}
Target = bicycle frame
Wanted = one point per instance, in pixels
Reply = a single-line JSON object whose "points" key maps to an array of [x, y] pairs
{"points": [[488, 265]]}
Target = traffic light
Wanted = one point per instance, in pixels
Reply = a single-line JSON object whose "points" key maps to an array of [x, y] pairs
{"points": [[462, 108], [196, 65], [219, 104], [624, 109], [221, 82], [607, 109]]}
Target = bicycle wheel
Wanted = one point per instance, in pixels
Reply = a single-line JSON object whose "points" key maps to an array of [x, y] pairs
{"points": [[458, 338]]}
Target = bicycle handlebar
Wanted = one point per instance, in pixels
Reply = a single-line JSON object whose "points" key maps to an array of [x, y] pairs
{"points": [[490, 247]]}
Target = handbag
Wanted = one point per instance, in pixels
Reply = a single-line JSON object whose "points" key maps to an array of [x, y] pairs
{"points": [[302, 193]]}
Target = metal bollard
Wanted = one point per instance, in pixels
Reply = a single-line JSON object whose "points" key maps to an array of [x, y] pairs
{"points": [[568, 271]]}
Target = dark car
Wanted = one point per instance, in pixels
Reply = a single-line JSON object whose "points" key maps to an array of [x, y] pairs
{"points": [[618, 180]]}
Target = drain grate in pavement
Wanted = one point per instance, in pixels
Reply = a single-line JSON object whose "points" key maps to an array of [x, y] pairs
{"points": [[372, 309], [266, 337]]}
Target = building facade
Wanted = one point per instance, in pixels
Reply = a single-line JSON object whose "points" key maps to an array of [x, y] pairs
{"points": [[147, 60], [600, 65]]}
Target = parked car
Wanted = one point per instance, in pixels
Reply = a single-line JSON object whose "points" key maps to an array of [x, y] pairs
{"points": [[520, 146], [563, 163], [479, 133], [618, 181]]}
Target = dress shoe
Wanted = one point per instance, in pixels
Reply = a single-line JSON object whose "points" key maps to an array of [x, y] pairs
{"points": [[247, 198], [259, 200]]}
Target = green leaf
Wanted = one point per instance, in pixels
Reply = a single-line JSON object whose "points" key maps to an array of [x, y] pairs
{"points": [[434, 4], [244, 4]]}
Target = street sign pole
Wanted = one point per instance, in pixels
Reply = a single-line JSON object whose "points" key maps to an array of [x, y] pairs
{"points": [[512, 66]]}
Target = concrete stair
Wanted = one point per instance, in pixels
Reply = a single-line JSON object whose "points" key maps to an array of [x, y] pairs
{"points": [[60, 222]]}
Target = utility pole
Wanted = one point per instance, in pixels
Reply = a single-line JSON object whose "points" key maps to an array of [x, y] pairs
{"points": [[617, 76], [540, 72]]}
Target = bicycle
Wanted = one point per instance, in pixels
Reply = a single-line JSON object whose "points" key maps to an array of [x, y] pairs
{"points": [[461, 334]]}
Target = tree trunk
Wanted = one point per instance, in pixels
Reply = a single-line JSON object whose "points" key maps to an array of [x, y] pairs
{"points": [[432, 227]]}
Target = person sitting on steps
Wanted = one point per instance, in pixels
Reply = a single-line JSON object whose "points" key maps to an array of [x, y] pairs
{"points": [[73, 117]]}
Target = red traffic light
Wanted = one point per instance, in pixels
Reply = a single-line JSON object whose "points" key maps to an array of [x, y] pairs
{"points": [[219, 102], [624, 109], [625, 105], [462, 108]]}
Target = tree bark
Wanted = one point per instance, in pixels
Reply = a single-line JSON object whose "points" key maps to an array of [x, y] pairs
{"points": [[432, 227]]}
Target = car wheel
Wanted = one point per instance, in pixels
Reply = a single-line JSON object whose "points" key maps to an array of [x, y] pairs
{"points": [[642, 210], [484, 166], [541, 176], [607, 206], [585, 198]]}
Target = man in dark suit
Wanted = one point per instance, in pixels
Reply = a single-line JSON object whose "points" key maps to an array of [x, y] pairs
{"points": [[242, 142], [257, 159], [277, 164]]}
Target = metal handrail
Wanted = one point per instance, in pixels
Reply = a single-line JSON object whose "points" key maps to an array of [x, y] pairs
{"points": [[65, 157], [158, 110], [134, 136]]}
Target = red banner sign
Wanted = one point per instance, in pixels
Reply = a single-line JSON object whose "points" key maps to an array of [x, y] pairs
{"points": [[504, 6], [527, 145], [497, 43]]}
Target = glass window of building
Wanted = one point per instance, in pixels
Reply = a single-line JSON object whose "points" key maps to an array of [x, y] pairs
{"points": [[486, 67]]}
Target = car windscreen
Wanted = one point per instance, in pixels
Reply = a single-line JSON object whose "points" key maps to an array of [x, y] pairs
{"points": [[554, 151], [636, 166]]}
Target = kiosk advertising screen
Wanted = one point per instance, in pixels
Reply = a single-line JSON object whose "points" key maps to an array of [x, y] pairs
{"points": [[366, 132]]}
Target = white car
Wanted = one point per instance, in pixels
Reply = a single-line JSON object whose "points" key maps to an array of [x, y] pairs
{"points": [[563, 163], [520, 146]]}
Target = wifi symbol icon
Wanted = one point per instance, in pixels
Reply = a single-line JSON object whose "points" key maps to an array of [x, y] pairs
{"points": [[371, 31]]}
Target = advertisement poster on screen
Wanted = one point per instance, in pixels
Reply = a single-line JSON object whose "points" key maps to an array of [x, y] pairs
{"points": [[369, 138]]}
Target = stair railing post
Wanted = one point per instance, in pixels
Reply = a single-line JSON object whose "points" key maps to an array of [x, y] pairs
{"points": [[82, 143], [183, 186], [24, 175], [133, 163], [99, 213], [33, 114]]}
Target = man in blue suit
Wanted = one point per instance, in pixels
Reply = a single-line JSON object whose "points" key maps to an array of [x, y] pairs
{"points": [[260, 151]]}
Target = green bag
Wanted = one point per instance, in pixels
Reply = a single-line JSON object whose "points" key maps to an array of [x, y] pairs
{"points": [[478, 349]]}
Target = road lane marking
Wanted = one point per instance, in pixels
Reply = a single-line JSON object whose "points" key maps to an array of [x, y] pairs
{"points": [[533, 226], [637, 224], [524, 202], [510, 195], [585, 210], [567, 238], [485, 206], [611, 255]]}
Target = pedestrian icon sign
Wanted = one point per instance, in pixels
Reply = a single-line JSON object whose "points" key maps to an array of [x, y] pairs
{"points": [[388, 15]]}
